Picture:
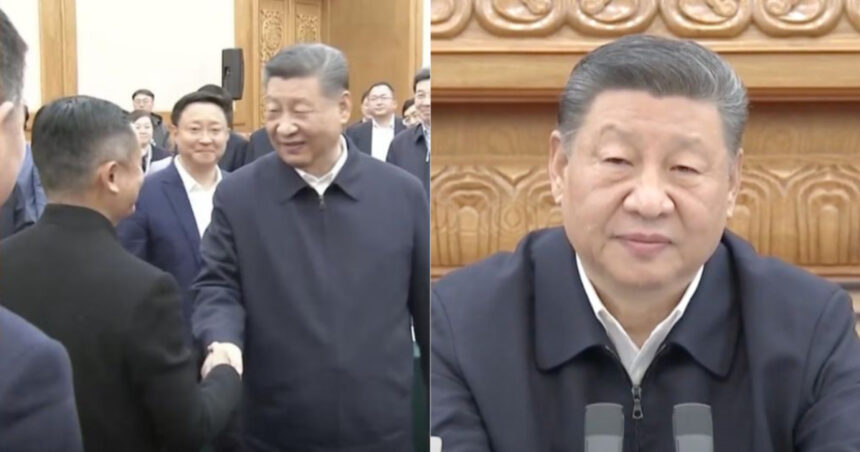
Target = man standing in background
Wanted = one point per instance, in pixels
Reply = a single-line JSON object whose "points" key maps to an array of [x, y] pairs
{"points": [[144, 99], [411, 150], [374, 136]]}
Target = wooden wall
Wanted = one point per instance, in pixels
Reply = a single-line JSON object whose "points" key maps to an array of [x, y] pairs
{"points": [[380, 38], [498, 68]]}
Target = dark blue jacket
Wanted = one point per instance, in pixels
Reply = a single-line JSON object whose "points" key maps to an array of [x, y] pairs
{"points": [[163, 232], [518, 353], [319, 292], [409, 151], [37, 400], [258, 145], [362, 133]]}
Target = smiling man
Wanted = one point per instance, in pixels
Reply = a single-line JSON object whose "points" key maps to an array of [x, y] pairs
{"points": [[643, 298], [316, 260], [175, 204]]}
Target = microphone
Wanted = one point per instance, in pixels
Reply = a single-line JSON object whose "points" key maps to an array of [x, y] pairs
{"points": [[694, 429], [604, 427]]}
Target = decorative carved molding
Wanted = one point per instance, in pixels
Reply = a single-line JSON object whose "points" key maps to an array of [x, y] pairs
{"points": [[706, 18], [803, 209], [685, 18], [449, 17], [520, 17], [852, 9], [797, 17], [307, 28], [611, 17], [271, 33]]}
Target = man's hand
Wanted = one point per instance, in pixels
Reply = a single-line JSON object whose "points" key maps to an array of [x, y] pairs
{"points": [[222, 353]]}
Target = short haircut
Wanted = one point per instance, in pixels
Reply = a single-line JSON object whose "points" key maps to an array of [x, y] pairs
{"points": [[661, 67], [420, 76], [311, 60], [198, 97], [74, 135], [12, 50], [137, 114], [385, 84], [364, 96], [143, 91], [228, 99], [406, 104]]}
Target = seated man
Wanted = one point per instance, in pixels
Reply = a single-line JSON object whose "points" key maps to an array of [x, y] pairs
{"points": [[643, 299], [119, 318]]}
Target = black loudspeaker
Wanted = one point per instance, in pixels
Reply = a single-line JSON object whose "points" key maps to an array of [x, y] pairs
{"points": [[233, 72]]}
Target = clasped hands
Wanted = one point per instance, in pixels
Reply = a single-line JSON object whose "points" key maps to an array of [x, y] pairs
{"points": [[222, 353]]}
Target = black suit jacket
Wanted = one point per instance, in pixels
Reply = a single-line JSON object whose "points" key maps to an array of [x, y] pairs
{"points": [[234, 154], [518, 353], [37, 402], [362, 134], [323, 313], [120, 320], [409, 151], [258, 145]]}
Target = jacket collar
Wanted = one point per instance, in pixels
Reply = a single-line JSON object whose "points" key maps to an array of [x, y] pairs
{"points": [[566, 326], [289, 182]]}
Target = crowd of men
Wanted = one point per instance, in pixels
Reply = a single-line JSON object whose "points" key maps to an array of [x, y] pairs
{"points": [[184, 287]]}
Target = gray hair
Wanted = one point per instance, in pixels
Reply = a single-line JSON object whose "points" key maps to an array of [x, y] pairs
{"points": [[661, 67], [311, 60], [12, 50]]}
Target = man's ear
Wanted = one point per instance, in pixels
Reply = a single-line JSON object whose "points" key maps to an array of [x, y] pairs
{"points": [[106, 175], [345, 107], [557, 165]]}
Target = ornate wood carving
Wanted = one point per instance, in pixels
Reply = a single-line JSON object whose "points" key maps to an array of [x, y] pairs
{"points": [[797, 17], [686, 18], [520, 17], [449, 17], [308, 22], [611, 17], [706, 18], [803, 209]]}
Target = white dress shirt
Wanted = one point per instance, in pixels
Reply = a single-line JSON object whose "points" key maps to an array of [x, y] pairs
{"points": [[634, 359], [380, 139], [320, 184], [199, 197]]}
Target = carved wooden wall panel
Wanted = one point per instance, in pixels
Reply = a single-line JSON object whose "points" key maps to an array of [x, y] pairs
{"points": [[262, 28]]}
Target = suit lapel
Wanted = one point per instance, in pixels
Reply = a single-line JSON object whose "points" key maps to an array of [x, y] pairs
{"points": [[365, 138], [177, 197]]}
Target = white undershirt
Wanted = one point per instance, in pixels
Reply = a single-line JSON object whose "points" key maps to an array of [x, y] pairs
{"points": [[634, 359], [320, 184], [199, 197], [380, 139]]}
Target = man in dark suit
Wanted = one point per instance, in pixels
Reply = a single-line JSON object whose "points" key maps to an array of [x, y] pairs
{"points": [[643, 299], [258, 145], [374, 136], [175, 204], [119, 317], [37, 402], [315, 261], [411, 150], [144, 99]]}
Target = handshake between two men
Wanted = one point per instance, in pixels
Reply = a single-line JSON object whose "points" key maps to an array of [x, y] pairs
{"points": [[222, 353]]}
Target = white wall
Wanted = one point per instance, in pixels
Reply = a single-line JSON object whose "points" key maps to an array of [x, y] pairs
{"points": [[24, 14], [171, 47]]}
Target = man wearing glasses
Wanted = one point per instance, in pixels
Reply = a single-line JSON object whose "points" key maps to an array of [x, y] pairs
{"points": [[373, 137]]}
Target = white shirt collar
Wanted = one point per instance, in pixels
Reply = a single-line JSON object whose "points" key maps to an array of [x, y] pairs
{"points": [[320, 184], [188, 181], [634, 359], [378, 125]]}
